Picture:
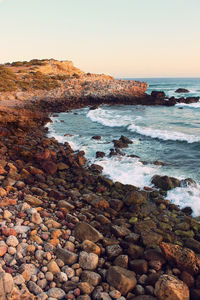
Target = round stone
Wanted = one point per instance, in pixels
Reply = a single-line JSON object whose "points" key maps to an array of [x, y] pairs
{"points": [[12, 241]]}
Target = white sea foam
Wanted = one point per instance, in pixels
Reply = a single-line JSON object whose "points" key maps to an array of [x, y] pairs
{"points": [[164, 134], [111, 118], [186, 196], [191, 105], [128, 170]]}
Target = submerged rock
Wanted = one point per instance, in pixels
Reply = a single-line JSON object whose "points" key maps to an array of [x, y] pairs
{"points": [[182, 90]]}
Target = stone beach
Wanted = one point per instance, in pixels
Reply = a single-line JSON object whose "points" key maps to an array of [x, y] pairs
{"points": [[68, 232]]}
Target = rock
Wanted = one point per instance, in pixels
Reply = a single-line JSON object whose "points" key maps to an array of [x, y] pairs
{"points": [[140, 266], [34, 288], [89, 247], [65, 204], [187, 278], [182, 90], [91, 277], [85, 288], [84, 231], [96, 137], [113, 250], [143, 297], [33, 201], [158, 94], [88, 261], [195, 294], [120, 231], [121, 261], [165, 183], [171, 288], [3, 248], [53, 267], [193, 244], [12, 241], [35, 218], [27, 270], [68, 257], [56, 293], [121, 279], [100, 154], [151, 238], [49, 167], [135, 198], [185, 258], [6, 285]]}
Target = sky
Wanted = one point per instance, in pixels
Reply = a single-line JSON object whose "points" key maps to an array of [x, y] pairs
{"points": [[123, 38]]}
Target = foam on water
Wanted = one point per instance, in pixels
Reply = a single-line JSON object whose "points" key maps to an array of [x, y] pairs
{"points": [[191, 105], [110, 118], [186, 196], [164, 134], [128, 170]]}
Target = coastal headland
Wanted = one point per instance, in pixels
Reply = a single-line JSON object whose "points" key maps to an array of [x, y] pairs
{"points": [[66, 230]]}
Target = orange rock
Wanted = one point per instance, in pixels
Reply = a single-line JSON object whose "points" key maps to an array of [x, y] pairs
{"points": [[2, 170], [56, 234], [185, 258], [9, 231], [7, 202]]}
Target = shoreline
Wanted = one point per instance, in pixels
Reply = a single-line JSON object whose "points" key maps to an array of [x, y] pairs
{"points": [[67, 208]]}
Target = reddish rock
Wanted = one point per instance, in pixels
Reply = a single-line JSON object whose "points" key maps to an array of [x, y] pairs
{"points": [[4, 132], [9, 231], [49, 167]]}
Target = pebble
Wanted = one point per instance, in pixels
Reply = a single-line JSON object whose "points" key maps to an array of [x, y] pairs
{"points": [[56, 293], [12, 241]]}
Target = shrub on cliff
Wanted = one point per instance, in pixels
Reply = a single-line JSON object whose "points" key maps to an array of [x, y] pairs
{"points": [[7, 80]]}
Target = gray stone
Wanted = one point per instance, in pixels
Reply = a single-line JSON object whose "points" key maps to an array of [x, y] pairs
{"points": [[88, 261]]}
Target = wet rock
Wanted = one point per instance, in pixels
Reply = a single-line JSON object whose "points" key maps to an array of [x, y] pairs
{"points": [[100, 154], [84, 231], [121, 279], [185, 258], [165, 183], [68, 257], [135, 198], [96, 137], [181, 90], [171, 288]]}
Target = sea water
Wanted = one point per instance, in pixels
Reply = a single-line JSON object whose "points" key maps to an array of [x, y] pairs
{"points": [[170, 135]]}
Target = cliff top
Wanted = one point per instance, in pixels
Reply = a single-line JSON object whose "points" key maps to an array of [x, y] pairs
{"points": [[45, 74]]}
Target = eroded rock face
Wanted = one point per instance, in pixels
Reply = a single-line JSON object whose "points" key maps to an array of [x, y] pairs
{"points": [[170, 288]]}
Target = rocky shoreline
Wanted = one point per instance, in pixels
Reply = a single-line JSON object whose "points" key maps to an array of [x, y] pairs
{"points": [[68, 232]]}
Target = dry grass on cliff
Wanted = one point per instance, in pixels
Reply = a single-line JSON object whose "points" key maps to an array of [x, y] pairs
{"points": [[26, 81]]}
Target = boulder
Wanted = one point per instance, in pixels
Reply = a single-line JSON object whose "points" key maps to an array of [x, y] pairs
{"points": [[171, 288], [135, 198], [121, 279], [68, 257], [185, 258]]}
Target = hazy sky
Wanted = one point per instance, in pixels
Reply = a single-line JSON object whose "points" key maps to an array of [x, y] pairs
{"points": [[124, 38]]}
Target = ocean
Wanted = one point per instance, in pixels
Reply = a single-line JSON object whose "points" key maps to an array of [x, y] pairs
{"points": [[170, 135]]}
